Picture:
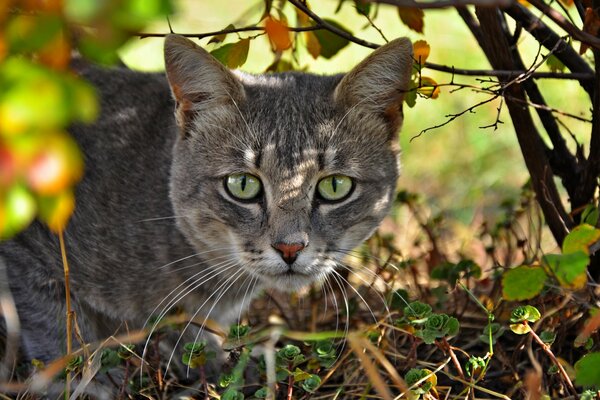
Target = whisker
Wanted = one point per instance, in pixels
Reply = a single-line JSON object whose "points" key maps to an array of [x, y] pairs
{"points": [[192, 255], [162, 218], [358, 294], [220, 285]]}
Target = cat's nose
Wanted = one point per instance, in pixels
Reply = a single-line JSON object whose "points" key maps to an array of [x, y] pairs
{"points": [[289, 251]]}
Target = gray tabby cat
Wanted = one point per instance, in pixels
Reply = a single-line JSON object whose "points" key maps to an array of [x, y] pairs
{"points": [[255, 182]]}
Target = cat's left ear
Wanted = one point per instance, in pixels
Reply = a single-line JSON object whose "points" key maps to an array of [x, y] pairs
{"points": [[198, 81], [379, 83]]}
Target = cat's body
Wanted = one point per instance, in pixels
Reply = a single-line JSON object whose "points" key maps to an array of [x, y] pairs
{"points": [[161, 212]]}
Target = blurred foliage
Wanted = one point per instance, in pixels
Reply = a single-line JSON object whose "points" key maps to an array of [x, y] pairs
{"points": [[40, 97]]}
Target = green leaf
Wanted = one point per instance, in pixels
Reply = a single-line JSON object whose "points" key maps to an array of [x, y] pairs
{"points": [[411, 96], [590, 215], [300, 375], [109, 360], [232, 55], [414, 375], [554, 64], [569, 269], [288, 353], [522, 283], [28, 33], [587, 370], [494, 330], [417, 312], [331, 43], [221, 38], [475, 365], [525, 313], [17, 208], [311, 383], [195, 347], [231, 394], [261, 393], [548, 337], [362, 7], [580, 239]]}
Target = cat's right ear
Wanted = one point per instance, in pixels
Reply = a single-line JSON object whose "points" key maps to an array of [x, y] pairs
{"points": [[198, 81]]}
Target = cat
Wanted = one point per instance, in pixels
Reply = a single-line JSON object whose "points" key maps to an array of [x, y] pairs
{"points": [[206, 186]]}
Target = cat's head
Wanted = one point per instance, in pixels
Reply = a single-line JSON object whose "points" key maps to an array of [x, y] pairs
{"points": [[281, 175]]}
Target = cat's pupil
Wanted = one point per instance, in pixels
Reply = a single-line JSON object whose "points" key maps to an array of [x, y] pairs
{"points": [[334, 184], [243, 183]]}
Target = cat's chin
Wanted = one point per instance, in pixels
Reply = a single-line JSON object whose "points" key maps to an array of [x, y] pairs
{"points": [[290, 281]]}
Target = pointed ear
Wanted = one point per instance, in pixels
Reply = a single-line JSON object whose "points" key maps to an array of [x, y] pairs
{"points": [[379, 83], [198, 81]]}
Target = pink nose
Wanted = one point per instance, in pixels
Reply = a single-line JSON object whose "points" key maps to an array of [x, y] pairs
{"points": [[288, 251]]}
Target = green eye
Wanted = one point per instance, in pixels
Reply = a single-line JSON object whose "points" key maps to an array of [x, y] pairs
{"points": [[335, 187], [243, 186]]}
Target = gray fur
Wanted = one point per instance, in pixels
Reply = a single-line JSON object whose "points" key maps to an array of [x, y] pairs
{"points": [[153, 189]]}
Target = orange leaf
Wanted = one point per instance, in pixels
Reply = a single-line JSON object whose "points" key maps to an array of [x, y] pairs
{"points": [[412, 17], [421, 51], [429, 88], [312, 44], [303, 18], [57, 53], [278, 33], [591, 25]]}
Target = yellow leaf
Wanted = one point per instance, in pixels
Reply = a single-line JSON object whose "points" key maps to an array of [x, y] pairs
{"points": [[55, 211], [412, 17], [421, 51], [312, 44], [303, 18], [429, 88], [278, 34]]}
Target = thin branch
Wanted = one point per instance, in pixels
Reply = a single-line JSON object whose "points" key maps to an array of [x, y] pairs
{"points": [[509, 74], [333, 29], [548, 38], [436, 4], [253, 28], [564, 23]]}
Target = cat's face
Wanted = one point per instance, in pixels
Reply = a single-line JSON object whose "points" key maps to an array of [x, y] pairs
{"points": [[282, 175]]}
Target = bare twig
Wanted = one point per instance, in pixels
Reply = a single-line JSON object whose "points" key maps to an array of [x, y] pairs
{"points": [[436, 4]]}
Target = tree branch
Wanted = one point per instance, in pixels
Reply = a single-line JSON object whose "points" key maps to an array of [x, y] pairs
{"points": [[436, 4], [549, 39], [143, 35]]}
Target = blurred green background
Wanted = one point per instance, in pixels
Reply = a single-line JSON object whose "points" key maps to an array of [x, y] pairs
{"points": [[461, 168]]}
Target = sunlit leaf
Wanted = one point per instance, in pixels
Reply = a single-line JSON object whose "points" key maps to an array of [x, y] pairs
{"points": [[312, 44], [554, 64], [590, 215], [569, 269], [8, 166], [102, 50], [522, 283], [331, 43], [580, 238], [429, 88], [587, 370], [278, 34], [17, 210], [57, 53], [232, 55], [421, 51], [412, 17], [82, 10]]}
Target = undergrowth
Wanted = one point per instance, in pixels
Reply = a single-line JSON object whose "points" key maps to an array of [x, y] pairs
{"points": [[427, 309]]}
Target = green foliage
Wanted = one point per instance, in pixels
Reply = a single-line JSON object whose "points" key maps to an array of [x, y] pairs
{"points": [[438, 326], [492, 330], [331, 43], [109, 359], [581, 237], [231, 394], [452, 272], [415, 375], [520, 318], [569, 269], [196, 355], [325, 353], [417, 312], [523, 283], [590, 215], [587, 370], [475, 365], [238, 331], [233, 55], [311, 383], [289, 354], [548, 337]]}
